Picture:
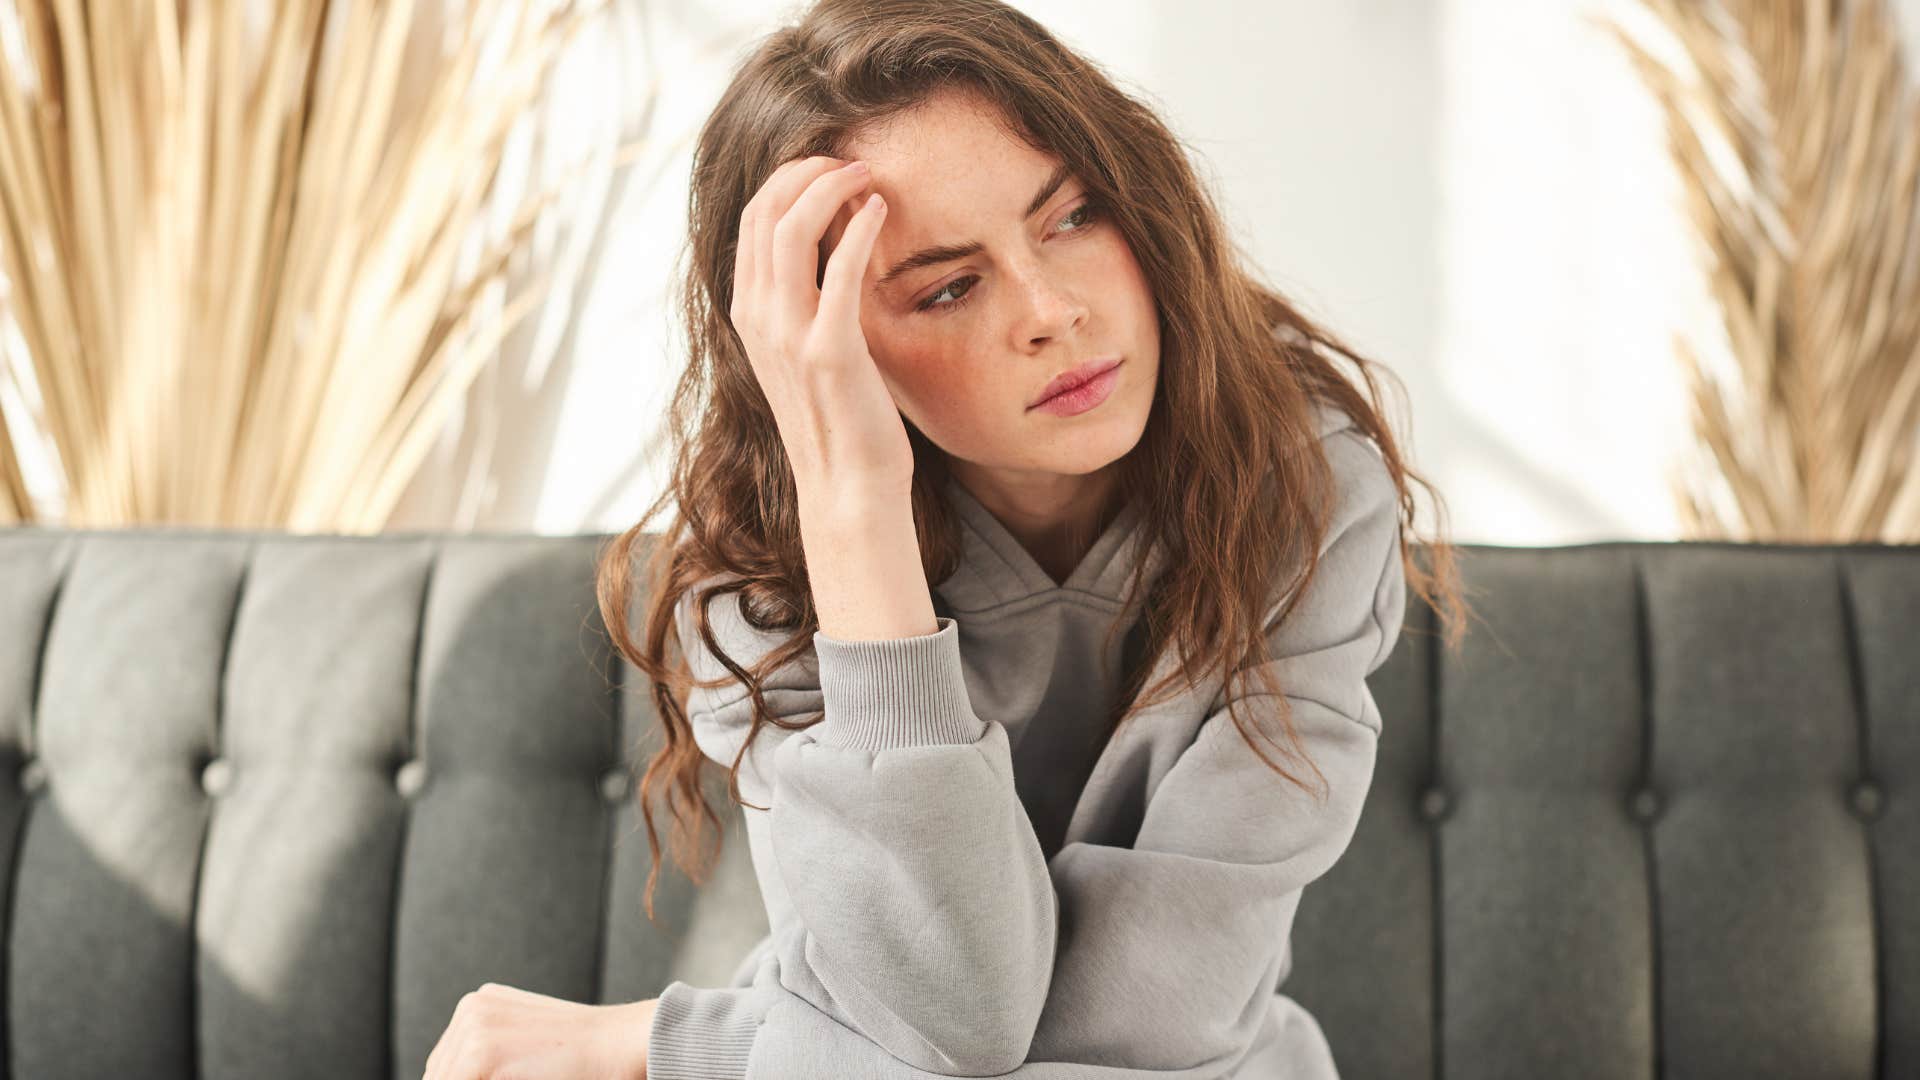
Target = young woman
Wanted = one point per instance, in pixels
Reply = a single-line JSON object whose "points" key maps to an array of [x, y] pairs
{"points": [[990, 665]]}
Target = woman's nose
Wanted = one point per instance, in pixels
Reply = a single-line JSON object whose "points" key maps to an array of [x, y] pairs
{"points": [[1050, 307]]}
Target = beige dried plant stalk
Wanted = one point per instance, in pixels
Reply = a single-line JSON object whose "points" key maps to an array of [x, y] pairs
{"points": [[235, 265], [1796, 136]]}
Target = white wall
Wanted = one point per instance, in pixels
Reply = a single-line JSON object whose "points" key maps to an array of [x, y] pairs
{"points": [[1474, 192]]}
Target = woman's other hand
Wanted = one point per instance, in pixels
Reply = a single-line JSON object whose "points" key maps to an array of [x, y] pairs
{"points": [[502, 1031], [801, 329]]}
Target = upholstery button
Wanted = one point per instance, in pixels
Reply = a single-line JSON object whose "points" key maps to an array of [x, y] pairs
{"points": [[1645, 804], [615, 785], [1434, 803], [410, 777], [1867, 799], [217, 777], [33, 776]]}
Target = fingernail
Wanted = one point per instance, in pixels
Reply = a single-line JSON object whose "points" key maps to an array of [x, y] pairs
{"points": [[856, 167]]}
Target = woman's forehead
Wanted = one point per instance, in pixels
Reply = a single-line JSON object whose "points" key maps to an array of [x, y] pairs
{"points": [[948, 128]]}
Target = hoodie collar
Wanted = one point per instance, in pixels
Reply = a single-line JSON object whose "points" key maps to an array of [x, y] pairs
{"points": [[996, 569]]}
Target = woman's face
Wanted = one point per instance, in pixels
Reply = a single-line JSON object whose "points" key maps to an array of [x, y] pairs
{"points": [[967, 341]]}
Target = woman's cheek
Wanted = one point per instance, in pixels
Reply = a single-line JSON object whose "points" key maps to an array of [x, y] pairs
{"points": [[944, 408], [907, 380], [932, 395]]}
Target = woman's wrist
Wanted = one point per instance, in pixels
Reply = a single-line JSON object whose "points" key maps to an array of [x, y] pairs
{"points": [[864, 565], [631, 1035]]}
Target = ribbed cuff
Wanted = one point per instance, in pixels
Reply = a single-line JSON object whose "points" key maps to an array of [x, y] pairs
{"points": [[895, 692], [701, 1034]]}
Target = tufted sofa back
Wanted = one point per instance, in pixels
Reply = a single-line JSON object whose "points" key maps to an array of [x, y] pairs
{"points": [[279, 801]]}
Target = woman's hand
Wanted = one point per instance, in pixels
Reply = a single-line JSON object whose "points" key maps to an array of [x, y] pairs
{"points": [[500, 1031], [837, 419]]}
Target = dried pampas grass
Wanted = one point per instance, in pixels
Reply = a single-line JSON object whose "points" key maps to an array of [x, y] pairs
{"points": [[1794, 128], [235, 259]]}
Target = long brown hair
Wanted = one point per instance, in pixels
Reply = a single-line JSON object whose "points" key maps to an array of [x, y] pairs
{"points": [[1219, 469]]}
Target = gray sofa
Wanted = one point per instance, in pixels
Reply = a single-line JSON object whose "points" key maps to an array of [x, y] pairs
{"points": [[282, 800]]}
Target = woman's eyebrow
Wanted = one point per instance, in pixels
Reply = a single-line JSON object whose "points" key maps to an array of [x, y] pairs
{"points": [[933, 256]]}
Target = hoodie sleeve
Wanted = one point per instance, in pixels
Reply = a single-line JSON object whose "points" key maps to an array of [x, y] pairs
{"points": [[1170, 950], [1158, 959], [922, 915]]}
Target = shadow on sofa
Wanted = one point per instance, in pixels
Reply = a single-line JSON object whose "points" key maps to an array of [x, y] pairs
{"points": [[281, 800]]}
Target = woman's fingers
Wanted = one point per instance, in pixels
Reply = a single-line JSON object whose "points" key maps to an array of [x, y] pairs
{"points": [[796, 309], [796, 238], [757, 220], [846, 267], [445, 1052], [744, 267]]}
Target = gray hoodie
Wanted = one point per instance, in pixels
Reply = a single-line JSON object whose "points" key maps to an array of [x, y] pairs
{"points": [[965, 876]]}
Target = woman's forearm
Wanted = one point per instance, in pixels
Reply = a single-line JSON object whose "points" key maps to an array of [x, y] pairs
{"points": [[863, 561]]}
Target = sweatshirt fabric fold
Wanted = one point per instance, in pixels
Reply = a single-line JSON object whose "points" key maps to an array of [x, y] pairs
{"points": [[968, 872]]}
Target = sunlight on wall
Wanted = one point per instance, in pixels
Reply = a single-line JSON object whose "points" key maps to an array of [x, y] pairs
{"points": [[1565, 269], [1474, 192]]}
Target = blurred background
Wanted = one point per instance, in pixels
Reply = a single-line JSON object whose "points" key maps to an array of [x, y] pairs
{"points": [[1606, 328]]}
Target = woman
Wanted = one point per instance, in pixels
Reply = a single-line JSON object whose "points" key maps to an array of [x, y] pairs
{"points": [[964, 648]]}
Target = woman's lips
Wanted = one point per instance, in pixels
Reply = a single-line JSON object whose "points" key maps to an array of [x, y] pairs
{"points": [[1079, 376], [1083, 397]]}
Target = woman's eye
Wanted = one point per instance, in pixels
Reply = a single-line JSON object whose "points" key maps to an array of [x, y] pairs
{"points": [[933, 301], [1083, 218], [1085, 212]]}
